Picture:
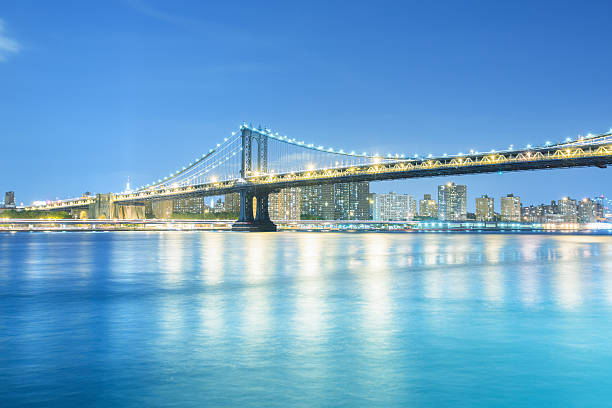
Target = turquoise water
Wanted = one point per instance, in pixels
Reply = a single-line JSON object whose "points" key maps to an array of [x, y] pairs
{"points": [[305, 320]]}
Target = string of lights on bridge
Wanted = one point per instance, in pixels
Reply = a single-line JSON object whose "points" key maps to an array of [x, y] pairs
{"points": [[323, 149]]}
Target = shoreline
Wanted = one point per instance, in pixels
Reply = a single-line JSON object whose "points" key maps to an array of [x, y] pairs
{"points": [[349, 226], [341, 231]]}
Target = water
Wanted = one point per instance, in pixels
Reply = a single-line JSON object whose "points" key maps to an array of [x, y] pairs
{"points": [[305, 319]]}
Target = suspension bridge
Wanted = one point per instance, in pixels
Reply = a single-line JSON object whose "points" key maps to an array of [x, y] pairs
{"points": [[255, 162]]}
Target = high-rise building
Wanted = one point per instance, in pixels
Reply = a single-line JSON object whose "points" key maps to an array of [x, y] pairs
{"points": [[371, 202], [317, 202], [351, 201], [452, 202], [393, 207], [531, 213], [589, 210], [511, 208], [428, 207], [568, 209], [550, 213], [485, 208], [9, 199], [606, 205], [285, 205], [232, 202], [412, 207]]}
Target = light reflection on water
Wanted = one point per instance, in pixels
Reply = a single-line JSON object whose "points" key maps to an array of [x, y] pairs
{"points": [[310, 313], [286, 319]]}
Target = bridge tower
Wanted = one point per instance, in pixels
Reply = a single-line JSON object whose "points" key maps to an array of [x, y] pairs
{"points": [[247, 221]]}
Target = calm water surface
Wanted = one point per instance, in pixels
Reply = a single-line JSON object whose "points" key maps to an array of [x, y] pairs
{"points": [[305, 319]]}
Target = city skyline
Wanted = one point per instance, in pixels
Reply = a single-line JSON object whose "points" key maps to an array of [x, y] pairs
{"points": [[353, 201], [471, 198], [99, 105]]}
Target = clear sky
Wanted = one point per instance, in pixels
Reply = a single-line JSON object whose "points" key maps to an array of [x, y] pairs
{"points": [[91, 92]]}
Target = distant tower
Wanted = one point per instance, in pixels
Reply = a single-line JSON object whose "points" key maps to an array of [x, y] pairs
{"points": [[9, 199], [127, 185]]}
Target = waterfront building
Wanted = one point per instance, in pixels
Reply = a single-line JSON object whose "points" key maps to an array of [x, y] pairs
{"points": [[553, 218], [550, 213], [530, 213], [393, 207], [412, 207], [589, 211], [485, 208], [511, 208], [232, 202], [9, 199], [351, 201], [452, 202], [606, 206], [285, 204], [191, 205], [428, 207], [371, 202], [317, 202], [568, 209]]}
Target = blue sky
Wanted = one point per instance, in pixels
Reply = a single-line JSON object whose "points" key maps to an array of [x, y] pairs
{"points": [[91, 92]]}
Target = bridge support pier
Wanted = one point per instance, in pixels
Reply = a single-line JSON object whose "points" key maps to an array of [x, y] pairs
{"points": [[262, 218], [246, 221]]}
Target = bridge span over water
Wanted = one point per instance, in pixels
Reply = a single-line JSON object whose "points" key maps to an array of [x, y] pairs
{"points": [[255, 162]]}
